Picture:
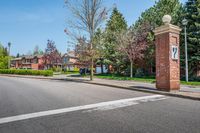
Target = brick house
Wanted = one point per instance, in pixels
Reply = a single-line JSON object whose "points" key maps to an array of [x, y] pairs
{"points": [[38, 62], [34, 62], [70, 61]]}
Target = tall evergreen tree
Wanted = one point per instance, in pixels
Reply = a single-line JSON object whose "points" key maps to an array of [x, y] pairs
{"points": [[162, 7], [99, 48], [192, 14], [114, 26], [37, 51], [153, 16], [18, 55]]}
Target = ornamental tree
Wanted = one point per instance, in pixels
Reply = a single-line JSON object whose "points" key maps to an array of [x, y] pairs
{"points": [[51, 56], [133, 42]]}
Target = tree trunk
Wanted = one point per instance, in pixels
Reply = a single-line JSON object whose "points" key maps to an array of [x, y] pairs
{"points": [[91, 69], [131, 71], [102, 68], [85, 70]]}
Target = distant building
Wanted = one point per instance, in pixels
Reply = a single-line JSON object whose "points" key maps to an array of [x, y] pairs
{"points": [[34, 62], [38, 62], [101, 69], [70, 61]]}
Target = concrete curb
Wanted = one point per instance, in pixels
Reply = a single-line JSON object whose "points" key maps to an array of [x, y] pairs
{"points": [[149, 91], [109, 85]]}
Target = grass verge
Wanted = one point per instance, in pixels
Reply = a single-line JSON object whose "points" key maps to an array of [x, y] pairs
{"points": [[190, 83], [150, 80], [143, 79], [71, 72]]}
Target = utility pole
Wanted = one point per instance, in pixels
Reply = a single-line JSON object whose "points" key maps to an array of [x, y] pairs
{"points": [[9, 45], [185, 22]]}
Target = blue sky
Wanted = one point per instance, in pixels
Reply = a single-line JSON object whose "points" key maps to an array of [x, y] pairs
{"points": [[27, 23]]}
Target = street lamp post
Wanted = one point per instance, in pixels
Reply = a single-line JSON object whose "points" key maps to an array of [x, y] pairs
{"points": [[185, 22], [9, 45]]}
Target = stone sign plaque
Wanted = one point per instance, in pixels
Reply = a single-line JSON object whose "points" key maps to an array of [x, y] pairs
{"points": [[174, 52]]}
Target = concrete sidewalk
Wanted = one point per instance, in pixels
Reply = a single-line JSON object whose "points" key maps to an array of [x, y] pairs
{"points": [[190, 92]]}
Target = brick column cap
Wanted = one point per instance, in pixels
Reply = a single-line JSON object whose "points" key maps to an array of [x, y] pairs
{"points": [[167, 28]]}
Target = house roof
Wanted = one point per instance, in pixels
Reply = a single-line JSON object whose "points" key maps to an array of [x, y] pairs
{"points": [[16, 59], [27, 57], [70, 54], [32, 56]]}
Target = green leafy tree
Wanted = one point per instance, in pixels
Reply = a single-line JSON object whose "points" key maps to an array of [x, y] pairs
{"points": [[114, 26], [3, 57], [98, 41], [153, 16], [162, 7], [192, 14]]}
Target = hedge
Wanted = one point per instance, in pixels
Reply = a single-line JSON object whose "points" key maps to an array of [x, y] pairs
{"points": [[27, 72]]}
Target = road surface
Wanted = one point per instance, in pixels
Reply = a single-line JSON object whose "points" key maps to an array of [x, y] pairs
{"points": [[46, 106]]}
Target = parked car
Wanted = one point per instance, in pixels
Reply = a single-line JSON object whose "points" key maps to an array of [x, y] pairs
{"points": [[84, 71]]}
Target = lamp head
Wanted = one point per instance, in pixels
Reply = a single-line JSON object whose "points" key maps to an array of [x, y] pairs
{"points": [[184, 22]]}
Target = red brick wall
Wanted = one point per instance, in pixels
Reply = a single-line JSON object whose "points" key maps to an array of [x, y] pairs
{"points": [[167, 70], [34, 66]]}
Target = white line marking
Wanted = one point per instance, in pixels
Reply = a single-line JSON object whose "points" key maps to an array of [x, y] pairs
{"points": [[117, 103], [125, 104]]}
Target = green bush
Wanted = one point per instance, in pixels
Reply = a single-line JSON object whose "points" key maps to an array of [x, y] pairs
{"points": [[56, 69], [4, 62], [76, 69], [70, 72], [139, 73], [27, 72]]}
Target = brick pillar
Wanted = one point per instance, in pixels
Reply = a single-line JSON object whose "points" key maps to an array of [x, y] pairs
{"points": [[167, 56]]}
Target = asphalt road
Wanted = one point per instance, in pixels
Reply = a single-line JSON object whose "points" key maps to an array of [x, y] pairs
{"points": [[70, 107]]}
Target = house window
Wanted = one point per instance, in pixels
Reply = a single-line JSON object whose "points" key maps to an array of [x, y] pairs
{"points": [[35, 61], [28, 61], [65, 59], [23, 61]]}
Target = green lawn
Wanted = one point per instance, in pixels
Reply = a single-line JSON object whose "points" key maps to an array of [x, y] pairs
{"points": [[117, 77], [143, 79], [190, 83], [71, 72]]}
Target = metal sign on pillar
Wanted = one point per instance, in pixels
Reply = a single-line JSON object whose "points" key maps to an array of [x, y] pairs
{"points": [[167, 56]]}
